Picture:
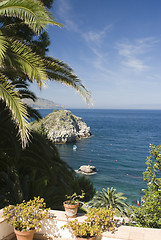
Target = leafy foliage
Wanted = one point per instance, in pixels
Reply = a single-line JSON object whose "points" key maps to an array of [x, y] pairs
{"points": [[22, 55], [38, 169], [74, 198], [83, 183], [13, 101], [108, 198], [26, 215], [16, 56], [96, 221], [149, 214], [35, 171], [31, 12], [61, 72]]}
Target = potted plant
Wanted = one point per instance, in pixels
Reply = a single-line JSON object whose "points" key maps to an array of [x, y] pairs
{"points": [[26, 216], [72, 203], [96, 222]]}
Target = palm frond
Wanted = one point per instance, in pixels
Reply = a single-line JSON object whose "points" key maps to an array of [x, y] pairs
{"points": [[24, 93], [14, 103], [3, 46], [109, 198], [33, 113], [61, 72], [32, 12], [20, 83], [21, 57]]}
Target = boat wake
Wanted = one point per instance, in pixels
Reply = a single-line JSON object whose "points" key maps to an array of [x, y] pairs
{"points": [[132, 176]]}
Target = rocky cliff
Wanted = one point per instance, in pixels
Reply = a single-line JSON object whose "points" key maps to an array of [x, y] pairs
{"points": [[62, 127]]}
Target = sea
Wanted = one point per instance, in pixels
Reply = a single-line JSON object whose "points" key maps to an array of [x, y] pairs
{"points": [[118, 147]]}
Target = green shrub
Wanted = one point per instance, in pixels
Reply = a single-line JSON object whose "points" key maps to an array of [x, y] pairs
{"points": [[26, 215], [149, 214], [97, 221]]}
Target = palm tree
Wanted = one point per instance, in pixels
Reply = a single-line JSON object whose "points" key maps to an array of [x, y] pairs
{"points": [[37, 169], [17, 59], [109, 198], [15, 56]]}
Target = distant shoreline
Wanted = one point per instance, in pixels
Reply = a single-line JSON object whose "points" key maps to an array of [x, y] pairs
{"points": [[90, 109]]}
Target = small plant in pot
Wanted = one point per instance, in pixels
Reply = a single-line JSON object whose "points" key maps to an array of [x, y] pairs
{"points": [[26, 217], [96, 222], [72, 203]]}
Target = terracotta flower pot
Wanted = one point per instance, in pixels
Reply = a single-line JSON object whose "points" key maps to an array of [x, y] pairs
{"points": [[24, 235], [71, 209]]}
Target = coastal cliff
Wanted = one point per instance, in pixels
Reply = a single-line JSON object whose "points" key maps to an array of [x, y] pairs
{"points": [[62, 127]]}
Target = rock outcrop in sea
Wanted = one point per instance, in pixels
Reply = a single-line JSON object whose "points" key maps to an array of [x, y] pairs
{"points": [[87, 169], [62, 127]]}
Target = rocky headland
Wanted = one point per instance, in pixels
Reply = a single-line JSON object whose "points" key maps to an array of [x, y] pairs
{"points": [[41, 103], [62, 127]]}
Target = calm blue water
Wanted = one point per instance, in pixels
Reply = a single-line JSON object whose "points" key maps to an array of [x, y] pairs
{"points": [[118, 148]]}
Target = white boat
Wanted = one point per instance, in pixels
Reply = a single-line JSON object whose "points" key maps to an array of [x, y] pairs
{"points": [[74, 147]]}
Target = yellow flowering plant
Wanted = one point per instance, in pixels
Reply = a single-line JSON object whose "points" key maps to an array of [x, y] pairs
{"points": [[74, 199], [96, 222], [26, 215]]}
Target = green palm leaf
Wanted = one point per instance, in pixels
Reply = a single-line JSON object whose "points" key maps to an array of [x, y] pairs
{"points": [[14, 103], [109, 198], [32, 12], [21, 58], [61, 72], [3, 46]]}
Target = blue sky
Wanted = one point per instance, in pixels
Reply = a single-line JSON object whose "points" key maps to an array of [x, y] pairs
{"points": [[114, 46]]}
